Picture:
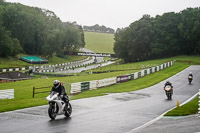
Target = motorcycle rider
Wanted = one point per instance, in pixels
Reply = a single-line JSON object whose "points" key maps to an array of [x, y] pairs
{"points": [[170, 84], [190, 75], [58, 87]]}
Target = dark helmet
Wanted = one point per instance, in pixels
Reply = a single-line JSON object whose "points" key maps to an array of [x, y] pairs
{"points": [[56, 83], [167, 82]]}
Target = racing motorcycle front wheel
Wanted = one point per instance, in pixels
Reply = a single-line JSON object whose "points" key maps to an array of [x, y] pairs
{"points": [[52, 111], [68, 110]]}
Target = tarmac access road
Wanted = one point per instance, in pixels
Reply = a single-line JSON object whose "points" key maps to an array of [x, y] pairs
{"points": [[113, 113]]}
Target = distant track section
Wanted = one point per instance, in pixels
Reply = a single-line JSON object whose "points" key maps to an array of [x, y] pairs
{"points": [[92, 54]]}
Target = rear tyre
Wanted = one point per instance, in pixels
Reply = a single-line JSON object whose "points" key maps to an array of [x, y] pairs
{"points": [[68, 110], [190, 81], [52, 111], [169, 95]]}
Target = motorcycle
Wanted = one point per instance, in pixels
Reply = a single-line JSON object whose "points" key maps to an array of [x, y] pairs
{"points": [[57, 106], [169, 92], [190, 78]]}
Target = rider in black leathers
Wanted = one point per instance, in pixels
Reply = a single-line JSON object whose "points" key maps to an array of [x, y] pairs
{"points": [[170, 84], [190, 75], [58, 87]]}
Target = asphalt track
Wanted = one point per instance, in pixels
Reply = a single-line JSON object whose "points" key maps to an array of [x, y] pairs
{"points": [[181, 124], [113, 113], [81, 69]]}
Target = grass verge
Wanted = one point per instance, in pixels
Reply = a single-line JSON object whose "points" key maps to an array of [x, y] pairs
{"points": [[134, 85], [187, 109], [99, 42], [23, 89]]}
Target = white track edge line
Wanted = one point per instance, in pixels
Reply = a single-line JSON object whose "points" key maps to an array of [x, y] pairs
{"points": [[159, 117]]}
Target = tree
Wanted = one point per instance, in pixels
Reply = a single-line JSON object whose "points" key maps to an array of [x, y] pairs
{"points": [[40, 31], [8, 46], [133, 43], [163, 36], [72, 38], [166, 38], [189, 31], [142, 33], [121, 43], [53, 44], [98, 28]]}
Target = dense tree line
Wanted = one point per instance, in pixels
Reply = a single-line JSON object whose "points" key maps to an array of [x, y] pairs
{"points": [[36, 31], [98, 28], [163, 36]]}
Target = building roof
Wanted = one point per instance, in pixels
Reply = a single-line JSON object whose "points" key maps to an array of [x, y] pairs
{"points": [[14, 76]]}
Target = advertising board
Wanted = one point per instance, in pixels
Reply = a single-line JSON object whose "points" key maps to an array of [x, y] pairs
{"points": [[123, 78], [106, 82]]}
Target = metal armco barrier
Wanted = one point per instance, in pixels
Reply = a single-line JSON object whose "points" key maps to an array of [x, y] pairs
{"points": [[7, 94], [93, 84], [75, 88], [85, 86], [132, 76], [14, 69], [106, 82], [123, 78], [139, 74]]}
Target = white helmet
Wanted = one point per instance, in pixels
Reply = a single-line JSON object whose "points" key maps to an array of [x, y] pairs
{"points": [[56, 83]]}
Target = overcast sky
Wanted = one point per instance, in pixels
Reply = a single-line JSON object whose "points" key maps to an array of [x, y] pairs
{"points": [[111, 13]]}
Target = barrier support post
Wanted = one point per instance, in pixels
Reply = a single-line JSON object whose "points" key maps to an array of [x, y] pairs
{"points": [[33, 91]]}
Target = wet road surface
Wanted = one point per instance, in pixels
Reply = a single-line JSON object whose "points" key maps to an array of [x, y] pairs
{"points": [[81, 69], [91, 61], [183, 124], [113, 113]]}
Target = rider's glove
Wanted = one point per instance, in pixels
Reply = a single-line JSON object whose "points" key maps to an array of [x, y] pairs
{"points": [[61, 96]]}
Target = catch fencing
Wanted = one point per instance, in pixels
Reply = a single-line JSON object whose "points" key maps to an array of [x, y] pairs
{"points": [[89, 85], [7, 94]]}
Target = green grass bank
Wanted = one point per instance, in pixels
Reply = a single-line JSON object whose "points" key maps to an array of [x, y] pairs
{"points": [[23, 89], [99, 42], [187, 109]]}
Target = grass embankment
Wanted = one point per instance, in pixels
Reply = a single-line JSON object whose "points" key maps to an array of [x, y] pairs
{"points": [[137, 84], [187, 109], [23, 89], [128, 67], [13, 62], [99, 42], [71, 58]]}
